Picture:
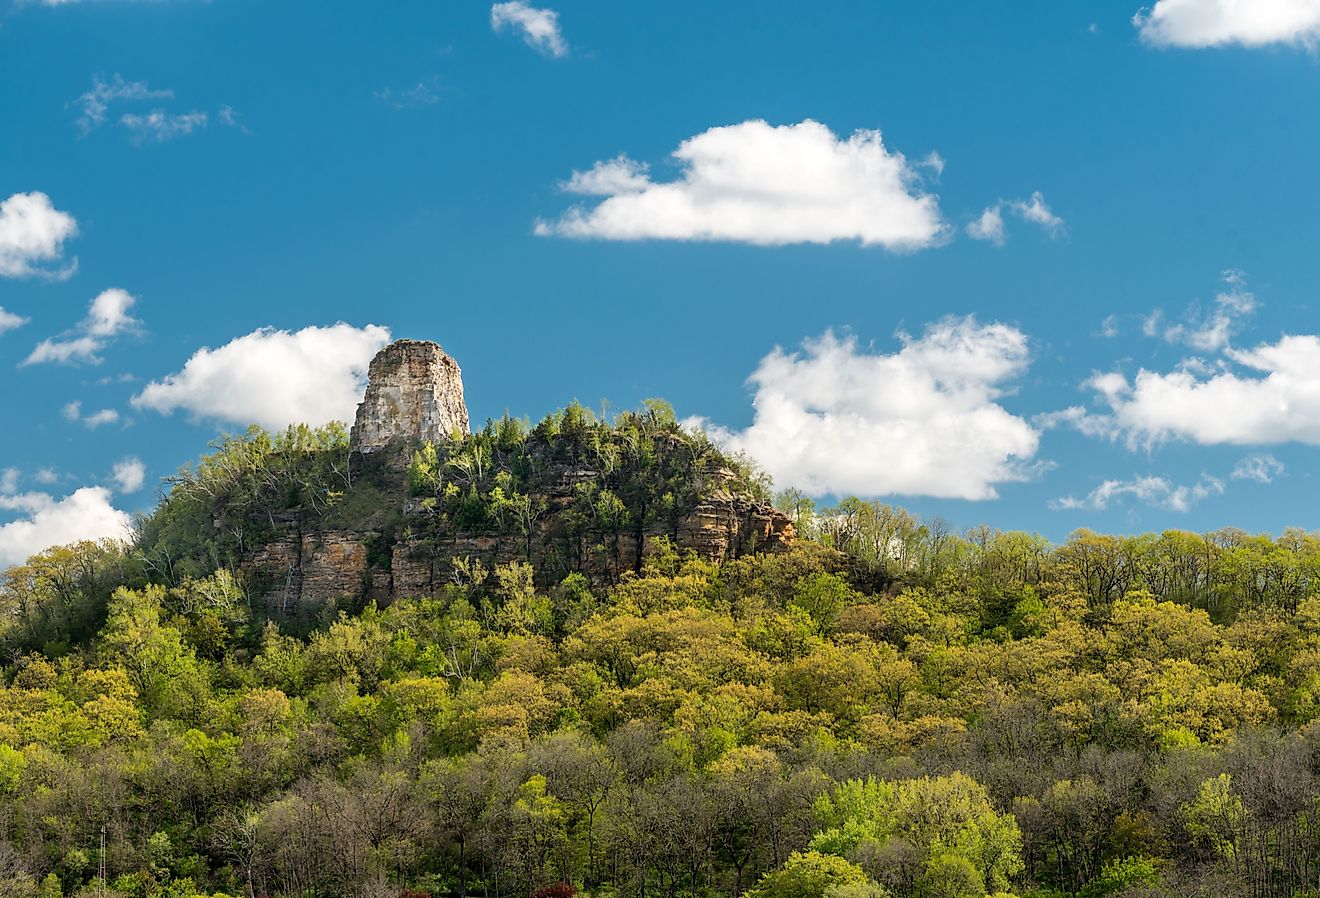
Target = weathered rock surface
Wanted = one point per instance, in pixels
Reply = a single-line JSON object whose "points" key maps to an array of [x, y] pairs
{"points": [[304, 570], [414, 393], [316, 567], [401, 547]]}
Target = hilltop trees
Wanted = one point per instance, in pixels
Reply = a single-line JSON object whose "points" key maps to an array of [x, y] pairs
{"points": [[696, 730], [927, 714]]}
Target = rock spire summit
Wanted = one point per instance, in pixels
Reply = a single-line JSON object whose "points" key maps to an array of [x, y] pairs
{"points": [[414, 392]]}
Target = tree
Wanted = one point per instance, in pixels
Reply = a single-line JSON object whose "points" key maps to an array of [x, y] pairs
{"points": [[810, 874], [236, 833], [165, 671], [938, 817]]}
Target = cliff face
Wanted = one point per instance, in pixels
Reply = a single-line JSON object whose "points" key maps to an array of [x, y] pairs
{"points": [[311, 564], [581, 500], [719, 525], [305, 569], [414, 393]]}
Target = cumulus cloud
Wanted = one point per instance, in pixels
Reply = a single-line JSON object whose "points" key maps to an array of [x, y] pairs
{"points": [[920, 421], [9, 321], [1266, 395], [72, 411], [272, 377], [130, 474], [104, 416], [990, 225], [45, 521], [32, 236], [1260, 468], [107, 318], [539, 27], [66, 351], [1215, 23], [1154, 491], [761, 184]]}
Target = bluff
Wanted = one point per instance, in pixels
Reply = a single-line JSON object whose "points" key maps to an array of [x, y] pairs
{"points": [[415, 492]]}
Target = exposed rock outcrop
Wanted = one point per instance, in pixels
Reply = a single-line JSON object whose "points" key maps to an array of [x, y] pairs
{"points": [[304, 570], [414, 393], [320, 566], [395, 545]]}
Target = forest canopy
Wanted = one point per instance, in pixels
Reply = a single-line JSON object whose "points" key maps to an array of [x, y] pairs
{"points": [[890, 708]]}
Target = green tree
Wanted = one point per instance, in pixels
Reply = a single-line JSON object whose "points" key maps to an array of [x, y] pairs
{"points": [[809, 874]]}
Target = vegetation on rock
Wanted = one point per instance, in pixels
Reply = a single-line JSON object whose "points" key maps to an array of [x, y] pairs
{"points": [[886, 708]]}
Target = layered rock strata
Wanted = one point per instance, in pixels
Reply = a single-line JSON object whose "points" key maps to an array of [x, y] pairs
{"points": [[414, 392]]}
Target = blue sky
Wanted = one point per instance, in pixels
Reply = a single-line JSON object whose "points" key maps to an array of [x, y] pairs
{"points": [[248, 165]]}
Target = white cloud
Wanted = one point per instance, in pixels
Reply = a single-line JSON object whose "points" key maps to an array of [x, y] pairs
{"points": [[1037, 211], [154, 125], [423, 93], [1261, 468], [72, 411], [8, 480], [130, 473], [1211, 332], [273, 378], [107, 318], [1214, 23], [46, 476], [990, 225], [46, 521], [617, 175], [32, 234], [9, 321], [539, 27], [933, 161], [160, 126], [1154, 491], [1275, 400], [95, 104], [65, 351], [760, 184], [920, 421], [1229, 396], [104, 416]]}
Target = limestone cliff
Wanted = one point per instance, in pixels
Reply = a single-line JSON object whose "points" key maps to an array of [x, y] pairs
{"points": [[414, 393], [572, 495]]}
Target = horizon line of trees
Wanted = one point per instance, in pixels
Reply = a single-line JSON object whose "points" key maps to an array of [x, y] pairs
{"points": [[889, 710]]}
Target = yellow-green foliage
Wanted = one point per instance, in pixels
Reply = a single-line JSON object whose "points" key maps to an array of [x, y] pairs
{"points": [[933, 715]]}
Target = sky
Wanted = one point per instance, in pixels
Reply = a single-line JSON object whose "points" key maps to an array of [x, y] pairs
{"points": [[1040, 265]]}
